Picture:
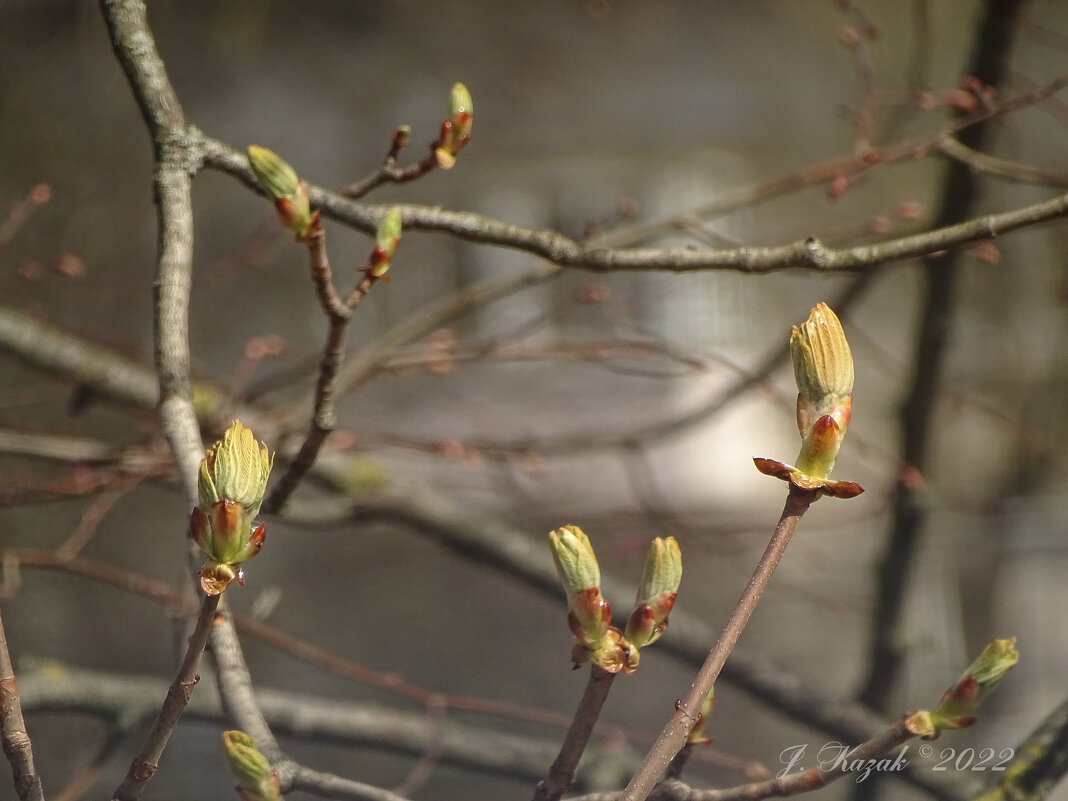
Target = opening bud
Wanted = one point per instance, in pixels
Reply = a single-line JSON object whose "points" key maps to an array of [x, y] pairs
{"points": [[657, 593], [956, 709], [280, 182], [231, 484], [256, 781], [456, 130], [823, 368]]}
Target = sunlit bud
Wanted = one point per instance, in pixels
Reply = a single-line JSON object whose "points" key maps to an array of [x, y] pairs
{"points": [[235, 467], [697, 734], [386, 240], [280, 182], [823, 364], [656, 595], [958, 705], [231, 483], [456, 130], [576, 565], [823, 368], [256, 781]]}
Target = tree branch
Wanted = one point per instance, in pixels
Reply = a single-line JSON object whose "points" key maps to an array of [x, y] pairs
{"points": [[146, 763], [688, 711], [13, 735]]}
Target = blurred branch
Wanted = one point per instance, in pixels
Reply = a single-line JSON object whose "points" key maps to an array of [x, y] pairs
{"points": [[21, 212], [792, 784], [54, 688], [13, 735], [959, 194], [562, 250], [1041, 762], [72, 358], [1003, 168]]}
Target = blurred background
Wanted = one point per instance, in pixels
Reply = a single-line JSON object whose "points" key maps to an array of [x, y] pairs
{"points": [[579, 398]]}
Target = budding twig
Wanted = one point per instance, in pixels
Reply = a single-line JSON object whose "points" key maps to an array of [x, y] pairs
{"points": [[674, 734], [145, 764], [562, 772]]}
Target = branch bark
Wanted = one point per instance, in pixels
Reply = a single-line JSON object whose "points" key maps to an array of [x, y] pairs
{"points": [[13, 735]]}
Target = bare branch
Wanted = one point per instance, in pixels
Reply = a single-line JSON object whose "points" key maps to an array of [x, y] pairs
{"points": [[562, 250]]}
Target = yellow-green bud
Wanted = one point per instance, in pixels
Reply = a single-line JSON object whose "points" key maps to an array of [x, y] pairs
{"points": [[236, 467], [386, 240], [256, 780], [823, 367], [576, 563], [230, 486], [663, 570], [280, 182], [956, 709], [274, 175], [456, 130], [589, 614], [823, 364], [656, 595]]}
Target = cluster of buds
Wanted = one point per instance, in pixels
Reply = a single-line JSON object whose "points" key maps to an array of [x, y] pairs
{"points": [[255, 779], [823, 369], [386, 240], [230, 488], [957, 708], [280, 182], [456, 130], [589, 614]]}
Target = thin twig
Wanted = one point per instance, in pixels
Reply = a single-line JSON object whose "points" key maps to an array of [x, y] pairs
{"points": [[324, 417], [688, 710], [389, 172], [562, 772], [1002, 168], [853, 761], [16, 741], [146, 763]]}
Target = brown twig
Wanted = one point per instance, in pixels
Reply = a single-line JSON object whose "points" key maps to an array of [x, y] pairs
{"points": [[688, 710], [791, 784], [324, 417], [389, 172], [16, 741], [21, 212], [562, 772], [145, 764]]}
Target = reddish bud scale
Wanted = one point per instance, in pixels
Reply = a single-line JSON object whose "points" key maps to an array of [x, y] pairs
{"points": [[590, 616]]}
